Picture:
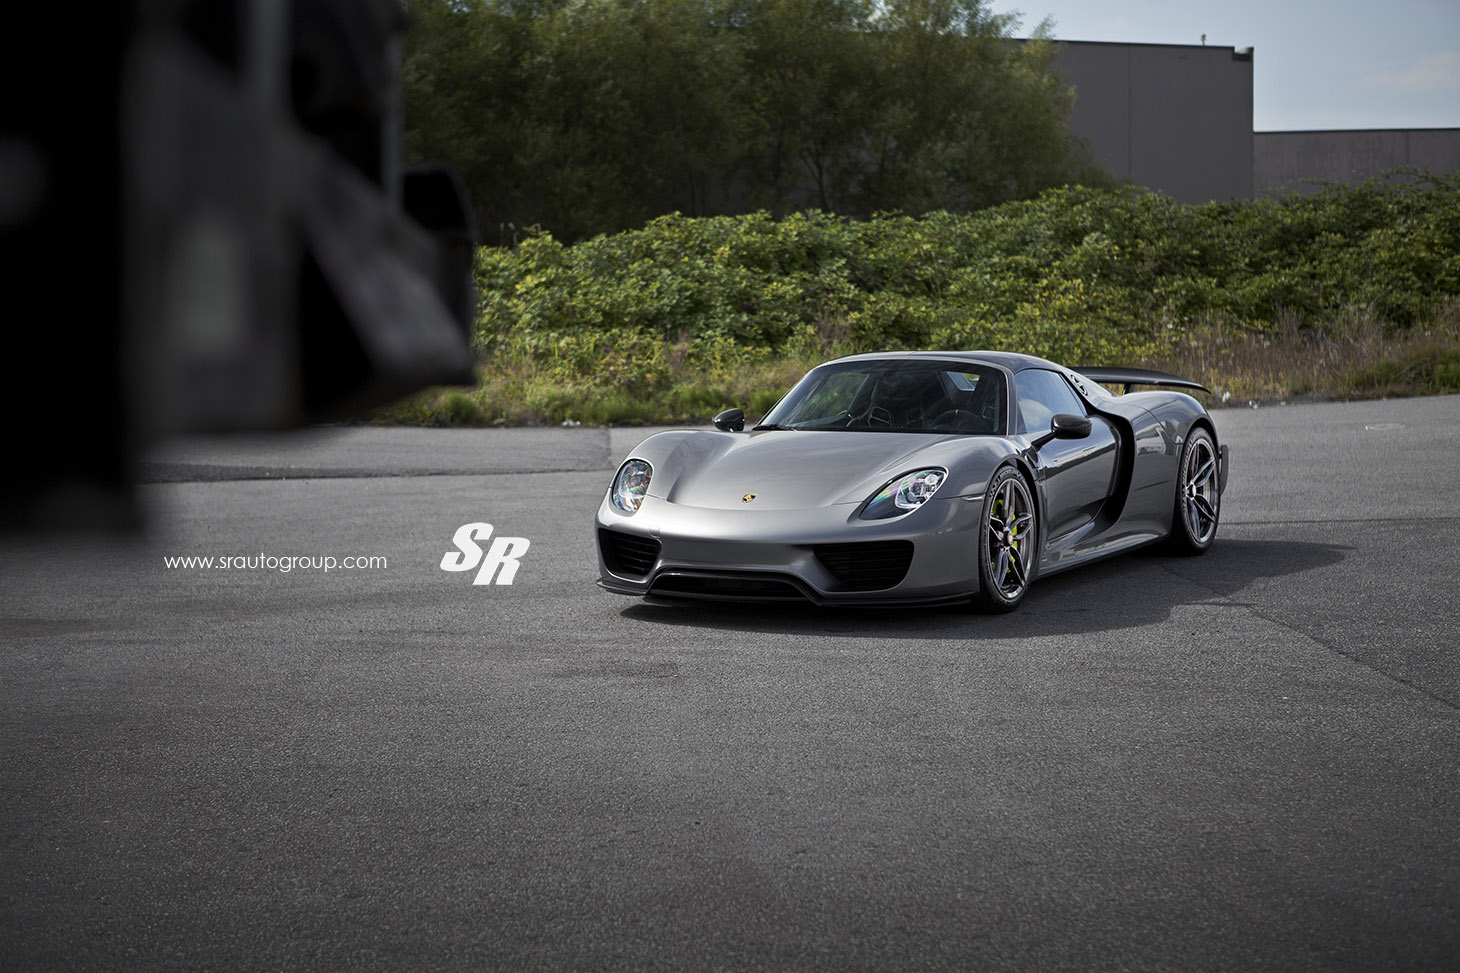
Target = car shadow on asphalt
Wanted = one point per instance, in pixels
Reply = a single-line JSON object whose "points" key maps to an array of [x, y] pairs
{"points": [[1125, 592]]}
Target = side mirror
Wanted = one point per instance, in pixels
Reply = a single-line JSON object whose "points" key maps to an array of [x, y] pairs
{"points": [[733, 420], [1065, 426]]}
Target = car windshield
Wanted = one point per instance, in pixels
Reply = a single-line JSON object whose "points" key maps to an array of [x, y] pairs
{"points": [[896, 395]]}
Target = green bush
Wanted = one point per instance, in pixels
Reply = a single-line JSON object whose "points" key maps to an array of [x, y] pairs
{"points": [[1073, 272], [686, 316]]}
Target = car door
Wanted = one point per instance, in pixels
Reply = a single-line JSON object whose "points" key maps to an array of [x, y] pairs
{"points": [[1077, 474]]}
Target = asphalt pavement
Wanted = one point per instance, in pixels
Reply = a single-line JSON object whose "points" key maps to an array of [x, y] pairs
{"points": [[1247, 760]]}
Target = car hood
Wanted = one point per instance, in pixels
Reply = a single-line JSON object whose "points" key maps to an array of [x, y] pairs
{"points": [[789, 470]]}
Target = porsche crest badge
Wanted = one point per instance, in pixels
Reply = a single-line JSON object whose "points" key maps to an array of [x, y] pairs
{"points": [[747, 498]]}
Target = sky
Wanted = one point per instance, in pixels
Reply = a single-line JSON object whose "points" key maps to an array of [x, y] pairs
{"points": [[1316, 65]]}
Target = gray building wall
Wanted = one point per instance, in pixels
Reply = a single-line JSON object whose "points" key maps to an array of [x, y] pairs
{"points": [[1282, 160], [1176, 118]]}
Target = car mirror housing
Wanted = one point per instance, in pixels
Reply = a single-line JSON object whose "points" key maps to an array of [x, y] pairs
{"points": [[1068, 426], [1065, 426], [731, 420]]}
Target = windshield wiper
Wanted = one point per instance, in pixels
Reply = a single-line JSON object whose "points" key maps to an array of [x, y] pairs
{"points": [[771, 425]]}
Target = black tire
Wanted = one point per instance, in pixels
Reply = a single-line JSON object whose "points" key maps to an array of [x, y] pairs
{"points": [[1198, 504], [1008, 543]]}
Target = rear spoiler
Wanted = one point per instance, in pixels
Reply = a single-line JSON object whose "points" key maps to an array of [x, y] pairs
{"points": [[1131, 377]]}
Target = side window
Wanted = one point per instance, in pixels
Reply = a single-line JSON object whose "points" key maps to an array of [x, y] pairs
{"points": [[1042, 395]]}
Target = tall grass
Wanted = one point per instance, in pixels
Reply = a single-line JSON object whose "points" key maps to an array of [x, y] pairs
{"points": [[513, 390], [1352, 357]]}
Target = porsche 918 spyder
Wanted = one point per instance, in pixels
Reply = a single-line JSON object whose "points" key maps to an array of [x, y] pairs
{"points": [[915, 477]]}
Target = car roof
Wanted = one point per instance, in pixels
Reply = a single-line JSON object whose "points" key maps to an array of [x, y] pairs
{"points": [[1005, 359]]}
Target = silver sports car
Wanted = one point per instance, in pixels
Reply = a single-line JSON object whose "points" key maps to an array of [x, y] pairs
{"points": [[915, 477]]}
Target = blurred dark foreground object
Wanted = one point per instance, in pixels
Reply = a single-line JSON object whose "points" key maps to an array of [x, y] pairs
{"points": [[204, 227]]}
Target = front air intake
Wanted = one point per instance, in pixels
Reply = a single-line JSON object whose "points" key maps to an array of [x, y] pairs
{"points": [[727, 586], [867, 566], [628, 555]]}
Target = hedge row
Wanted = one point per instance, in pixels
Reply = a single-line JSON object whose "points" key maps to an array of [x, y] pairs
{"points": [[1075, 274]]}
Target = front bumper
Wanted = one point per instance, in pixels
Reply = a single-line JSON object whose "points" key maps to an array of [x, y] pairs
{"points": [[825, 555]]}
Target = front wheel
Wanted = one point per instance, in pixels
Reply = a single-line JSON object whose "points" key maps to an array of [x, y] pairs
{"points": [[1198, 495], [1007, 544]]}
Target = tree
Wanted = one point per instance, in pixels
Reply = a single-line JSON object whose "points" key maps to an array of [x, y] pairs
{"points": [[464, 91], [586, 116], [633, 112], [809, 87]]}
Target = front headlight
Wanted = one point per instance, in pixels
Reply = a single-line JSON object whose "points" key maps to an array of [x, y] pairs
{"points": [[630, 485], [907, 492]]}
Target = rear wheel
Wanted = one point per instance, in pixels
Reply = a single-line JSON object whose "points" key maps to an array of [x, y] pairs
{"points": [[1198, 495], [1007, 545]]}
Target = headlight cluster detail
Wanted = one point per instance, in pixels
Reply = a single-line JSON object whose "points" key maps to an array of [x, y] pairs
{"points": [[905, 493], [630, 485]]}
